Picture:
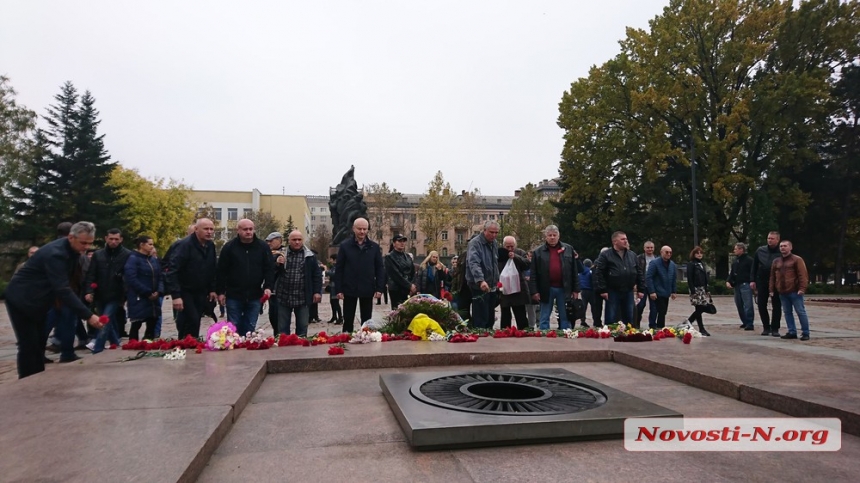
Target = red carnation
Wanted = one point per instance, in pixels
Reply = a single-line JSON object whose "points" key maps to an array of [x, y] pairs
{"points": [[552, 334], [264, 298], [688, 337], [306, 343], [335, 350], [198, 350], [94, 285], [499, 285], [113, 346], [104, 319]]}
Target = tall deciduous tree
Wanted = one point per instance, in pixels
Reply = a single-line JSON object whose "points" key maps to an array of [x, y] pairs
{"points": [[156, 207], [321, 241], [437, 211], [740, 87], [381, 200], [530, 213], [17, 130], [264, 223]]}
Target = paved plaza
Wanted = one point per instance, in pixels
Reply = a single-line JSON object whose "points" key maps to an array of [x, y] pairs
{"points": [[297, 414]]}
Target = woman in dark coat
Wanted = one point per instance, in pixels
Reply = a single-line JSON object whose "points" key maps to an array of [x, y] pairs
{"points": [[697, 279], [143, 279]]}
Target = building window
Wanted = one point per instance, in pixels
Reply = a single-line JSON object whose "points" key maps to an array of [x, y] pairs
{"points": [[444, 251], [217, 212], [313, 209], [444, 235], [313, 218], [492, 217], [413, 235], [413, 218], [395, 220], [246, 213], [232, 214], [323, 219], [323, 209], [459, 238]]}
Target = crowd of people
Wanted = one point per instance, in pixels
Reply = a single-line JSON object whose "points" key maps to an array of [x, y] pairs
{"points": [[66, 282]]}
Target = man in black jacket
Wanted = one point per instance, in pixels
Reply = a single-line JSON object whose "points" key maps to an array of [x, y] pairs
{"points": [[739, 280], [103, 283], [617, 274], [246, 273], [400, 271], [42, 283], [760, 284], [190, 277], [554, 278], [360, 275]]}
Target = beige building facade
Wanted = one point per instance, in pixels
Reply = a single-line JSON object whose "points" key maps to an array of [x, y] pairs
{"points": [[231, 206]]}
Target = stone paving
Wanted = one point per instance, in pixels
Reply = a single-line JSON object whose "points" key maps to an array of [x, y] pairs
{"points": [[297, 414], [835, 329]]}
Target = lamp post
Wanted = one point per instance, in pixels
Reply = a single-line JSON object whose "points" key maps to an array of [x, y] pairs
{"points": [[693, 182]]}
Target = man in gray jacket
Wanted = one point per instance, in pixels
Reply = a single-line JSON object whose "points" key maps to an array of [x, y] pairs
{"points": [[482, 275]]}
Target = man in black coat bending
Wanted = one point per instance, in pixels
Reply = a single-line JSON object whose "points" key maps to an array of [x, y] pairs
{"points": [[42, 283]]}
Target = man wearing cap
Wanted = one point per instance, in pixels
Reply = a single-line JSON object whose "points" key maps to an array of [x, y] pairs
{"points": [[400, 271], [275, 241]]}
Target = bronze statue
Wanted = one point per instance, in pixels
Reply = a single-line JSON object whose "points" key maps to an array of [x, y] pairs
{"points": [[346, 205]]}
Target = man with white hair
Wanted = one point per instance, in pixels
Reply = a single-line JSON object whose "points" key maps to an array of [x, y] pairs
{"points": [[360, 275], [514, 302], [554, 277]]}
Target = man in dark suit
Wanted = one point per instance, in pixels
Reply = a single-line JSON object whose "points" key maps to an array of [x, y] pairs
{"points": [[360, 275]]}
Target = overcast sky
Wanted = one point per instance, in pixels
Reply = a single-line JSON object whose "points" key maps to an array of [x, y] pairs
{"points": [[284, 96]]}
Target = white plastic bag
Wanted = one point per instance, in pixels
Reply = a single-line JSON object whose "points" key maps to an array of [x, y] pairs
{"points": [[372, 324], [510, 278]]}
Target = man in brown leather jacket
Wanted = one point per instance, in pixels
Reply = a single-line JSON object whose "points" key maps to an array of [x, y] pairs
{"points": [[789, 277]]}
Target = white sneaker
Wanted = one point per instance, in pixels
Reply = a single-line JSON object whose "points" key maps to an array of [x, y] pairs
{"points": [[685, 325], [91, 345]]}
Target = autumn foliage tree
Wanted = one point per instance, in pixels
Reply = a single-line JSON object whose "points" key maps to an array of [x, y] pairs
{"points": [[743, 88], [437, 211], [155, 207]]}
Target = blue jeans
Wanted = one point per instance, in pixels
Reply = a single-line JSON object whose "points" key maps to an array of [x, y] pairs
{"points": [[64, 322], [243, 314], [744, 303], [619, 303], [794, 300], [160, 318], [285, 315], [556, 295], [484, 309], [109, 331]]}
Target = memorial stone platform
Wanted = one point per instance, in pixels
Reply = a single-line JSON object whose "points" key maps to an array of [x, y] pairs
{"points": [[298, 414]]}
